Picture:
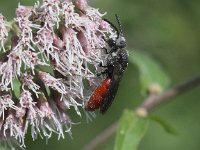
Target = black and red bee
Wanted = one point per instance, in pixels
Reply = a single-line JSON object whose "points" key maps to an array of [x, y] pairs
{"points": [[117, 62]]}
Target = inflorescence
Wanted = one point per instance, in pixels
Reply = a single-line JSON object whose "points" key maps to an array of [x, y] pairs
{"points": [[48, 58]]}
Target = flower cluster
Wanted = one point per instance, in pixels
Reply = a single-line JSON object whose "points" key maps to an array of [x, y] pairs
{"points": [[48, 56]]}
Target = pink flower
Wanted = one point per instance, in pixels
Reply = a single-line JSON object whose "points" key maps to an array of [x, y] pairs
{"points": [[47, 68], [3, 32]]}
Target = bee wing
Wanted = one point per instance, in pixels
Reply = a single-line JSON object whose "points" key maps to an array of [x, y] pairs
{"points": [[115, 80]]}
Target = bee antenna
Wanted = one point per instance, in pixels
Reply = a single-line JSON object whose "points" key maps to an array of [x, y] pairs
{"points": [[119, 24], [113, 26]]}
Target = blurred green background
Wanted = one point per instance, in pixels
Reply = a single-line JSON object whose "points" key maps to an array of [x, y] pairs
{"points": [[169, 31]]}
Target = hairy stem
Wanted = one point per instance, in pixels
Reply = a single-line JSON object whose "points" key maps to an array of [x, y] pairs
{"points": [[154, 100], [102, 137]]}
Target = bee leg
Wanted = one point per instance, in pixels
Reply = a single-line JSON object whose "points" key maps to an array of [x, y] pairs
{"points": [[103, 72], [106, 50], [101, 65]]}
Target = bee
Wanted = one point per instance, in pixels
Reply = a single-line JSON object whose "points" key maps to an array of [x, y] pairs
{"points": [[117, 62]]}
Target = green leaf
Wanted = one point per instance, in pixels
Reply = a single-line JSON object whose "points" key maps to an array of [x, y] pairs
{"points": [[166, 126], [2, 147], [130, 131], [151, 73], [16, 87]]}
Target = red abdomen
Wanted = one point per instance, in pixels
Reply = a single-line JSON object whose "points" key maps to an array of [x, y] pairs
{"points": [[98, 95]]}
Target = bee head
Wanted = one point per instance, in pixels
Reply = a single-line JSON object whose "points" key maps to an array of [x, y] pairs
{"points": [[121, 42]]}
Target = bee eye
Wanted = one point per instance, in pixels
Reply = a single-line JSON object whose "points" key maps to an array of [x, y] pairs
{"points": [[122, 43]]}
